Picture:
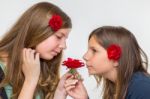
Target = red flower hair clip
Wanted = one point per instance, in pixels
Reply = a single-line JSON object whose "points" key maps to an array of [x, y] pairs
{"points": [[72, 64], [55, 22], [114, 52]]}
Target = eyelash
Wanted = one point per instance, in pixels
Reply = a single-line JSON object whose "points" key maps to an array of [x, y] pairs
{"points": [[59, 37], [94, 50]]}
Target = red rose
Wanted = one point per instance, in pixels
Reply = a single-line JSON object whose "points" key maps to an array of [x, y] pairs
{"points": [[73, 63], [114, 52], [55, 22]]}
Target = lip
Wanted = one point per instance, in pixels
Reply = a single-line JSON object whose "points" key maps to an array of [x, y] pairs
{"points": [[54, 53], [88, 66]]}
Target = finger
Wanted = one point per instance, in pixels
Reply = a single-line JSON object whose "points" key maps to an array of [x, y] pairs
{"points": [[27, 55], [37, 57], [71, 80], [66, 76], [71, 92], [71, 77], [31, 54], [70, 83], [78, 76], [24, 53], [70, 88]]}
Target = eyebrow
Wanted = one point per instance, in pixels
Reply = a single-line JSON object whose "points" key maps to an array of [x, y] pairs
{"points": [[92, 47], [63, 34]]}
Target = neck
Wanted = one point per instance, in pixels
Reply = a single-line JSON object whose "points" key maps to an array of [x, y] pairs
{"points": [[112, 76]]}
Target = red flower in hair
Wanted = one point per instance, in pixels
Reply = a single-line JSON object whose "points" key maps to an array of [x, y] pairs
{"points": [[55, 22], [114, 52], [73, 64]]}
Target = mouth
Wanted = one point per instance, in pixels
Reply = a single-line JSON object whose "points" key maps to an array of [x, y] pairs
{"points": [[55, 52], [88, 66]]}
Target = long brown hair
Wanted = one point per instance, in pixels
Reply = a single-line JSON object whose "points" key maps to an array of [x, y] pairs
{"points": [[31, 29], [133, 59]]}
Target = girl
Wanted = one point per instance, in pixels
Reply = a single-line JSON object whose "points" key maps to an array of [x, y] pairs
{"points": [[115, 57], [30, 54]]}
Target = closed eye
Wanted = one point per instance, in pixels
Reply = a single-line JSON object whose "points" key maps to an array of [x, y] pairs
{"points": [[58, 37]]}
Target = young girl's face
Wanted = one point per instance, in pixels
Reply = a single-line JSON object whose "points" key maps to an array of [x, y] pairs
{"points": [[53, 45], [97, 60]]}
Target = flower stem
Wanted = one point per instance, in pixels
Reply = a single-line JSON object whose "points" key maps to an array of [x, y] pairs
{"points": [[72, 71]]}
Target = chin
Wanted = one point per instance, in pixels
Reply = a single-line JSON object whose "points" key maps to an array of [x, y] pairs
{"points": [[91, 72], [47, 57]]}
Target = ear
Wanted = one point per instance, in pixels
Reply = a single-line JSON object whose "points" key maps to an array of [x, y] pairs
{"points": [[115, 63]]}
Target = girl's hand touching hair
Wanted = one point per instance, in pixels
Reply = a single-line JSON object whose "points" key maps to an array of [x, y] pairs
{"points": [[31, 65], [31, 71]]}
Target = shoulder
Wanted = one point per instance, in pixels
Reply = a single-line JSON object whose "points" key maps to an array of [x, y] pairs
{"points": [[139, 86]]}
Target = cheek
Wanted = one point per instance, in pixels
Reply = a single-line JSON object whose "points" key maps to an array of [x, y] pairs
{"points": [[101, 63], [99, 59], [39, 48], [46, 45]]}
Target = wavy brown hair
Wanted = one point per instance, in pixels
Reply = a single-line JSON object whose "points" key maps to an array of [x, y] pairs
{"points": [[133, 59], [31, 29]]}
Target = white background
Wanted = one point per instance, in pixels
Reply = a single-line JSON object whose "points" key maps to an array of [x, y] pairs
{"points": [[87, 15]]}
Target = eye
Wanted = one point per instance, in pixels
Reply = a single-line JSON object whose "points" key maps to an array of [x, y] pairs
{"points": [[93, 50], [58, 36]]}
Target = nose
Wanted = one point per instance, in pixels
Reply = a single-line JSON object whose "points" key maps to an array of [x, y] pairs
{"points": [[62, 45], [85, 57]]}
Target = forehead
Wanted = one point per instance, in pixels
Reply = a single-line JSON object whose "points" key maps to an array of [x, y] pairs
{"points": [[63, 31], [93, 43]]}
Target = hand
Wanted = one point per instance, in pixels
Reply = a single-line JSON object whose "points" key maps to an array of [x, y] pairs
{"points": [[61, 91], [31, 71], [31, 65], [75, 88]]}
